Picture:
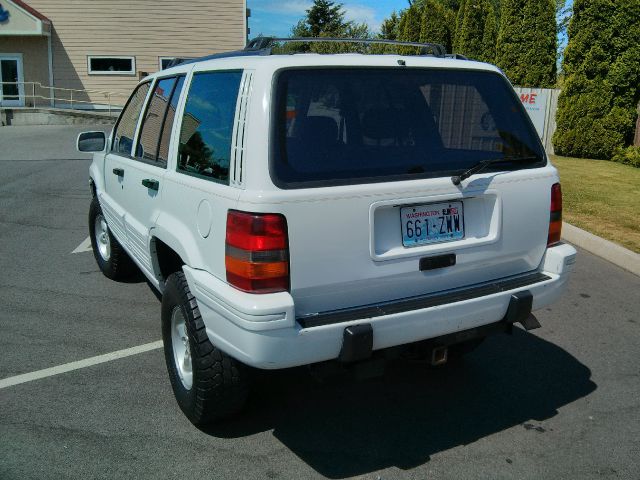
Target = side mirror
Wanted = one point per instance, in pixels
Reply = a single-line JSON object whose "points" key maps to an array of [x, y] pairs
{"points": [[91, 142]]}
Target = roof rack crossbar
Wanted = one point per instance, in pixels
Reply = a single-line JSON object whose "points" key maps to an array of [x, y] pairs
{"points": [[264, 43]]}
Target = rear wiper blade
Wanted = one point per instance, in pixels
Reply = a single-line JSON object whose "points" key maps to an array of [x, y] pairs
{"points": [[482, 164]]}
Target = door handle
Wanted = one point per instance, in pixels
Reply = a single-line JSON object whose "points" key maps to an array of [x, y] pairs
{"points": [[152, 184], [119, 172]]}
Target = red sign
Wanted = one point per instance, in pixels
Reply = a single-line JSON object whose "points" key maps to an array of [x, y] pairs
{"points": [[529, 98]]}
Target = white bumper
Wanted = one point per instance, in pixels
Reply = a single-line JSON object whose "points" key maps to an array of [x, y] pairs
{"points": [[261, 330]]}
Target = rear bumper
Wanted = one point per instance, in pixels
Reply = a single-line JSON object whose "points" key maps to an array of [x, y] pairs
{"points": [[262, 331]]}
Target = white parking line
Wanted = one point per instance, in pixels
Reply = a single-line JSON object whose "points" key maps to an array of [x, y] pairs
{"points": [[87, 362], [85, 246]]}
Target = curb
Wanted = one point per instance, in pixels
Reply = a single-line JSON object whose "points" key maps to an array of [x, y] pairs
{"points": [[610, 251]]}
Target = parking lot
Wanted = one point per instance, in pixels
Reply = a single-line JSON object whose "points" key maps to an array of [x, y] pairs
{"points": [[559, 402]]}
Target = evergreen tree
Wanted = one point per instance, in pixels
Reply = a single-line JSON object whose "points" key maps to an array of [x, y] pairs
{"points": [[410, 32], [489, 35], [326, 19], [436, 26], [452, 5], [459, 20], [402, 22], [411, 27], [389, 27], [478, 16], [511, 40], [324, 16], [388, 31], [349, 30], [597, 106], [527, 42]]}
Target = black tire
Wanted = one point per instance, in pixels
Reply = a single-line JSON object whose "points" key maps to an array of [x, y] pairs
{"points": [[117, 265], [219, 383]]}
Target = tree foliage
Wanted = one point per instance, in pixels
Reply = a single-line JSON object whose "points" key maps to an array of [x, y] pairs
{"points": [[323, 17], [597, 106], [527, 45], [459, 20], [410, 29], [326, 19], [489, 35], [436, 24], [424, 21], [389, 27], [476, 32]]}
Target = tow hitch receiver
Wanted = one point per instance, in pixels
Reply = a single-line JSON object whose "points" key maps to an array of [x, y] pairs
{"points": [[519, 311], [439, 356]]}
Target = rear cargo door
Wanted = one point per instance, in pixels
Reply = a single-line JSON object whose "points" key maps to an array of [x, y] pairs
{"points": [[365, 158]]}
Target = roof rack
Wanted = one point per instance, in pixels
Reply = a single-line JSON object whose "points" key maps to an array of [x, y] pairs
{"points": [[261, 44], [234, 53], [264, 46]]}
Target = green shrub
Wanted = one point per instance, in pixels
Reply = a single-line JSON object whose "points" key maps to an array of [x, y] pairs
{"points": [[476, 31], [597, 106], [437, 24], [526, 49], [628, 156], [410, 29]]}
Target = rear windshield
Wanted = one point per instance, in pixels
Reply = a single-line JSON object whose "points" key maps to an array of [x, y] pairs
{"points": [[359, 125]]}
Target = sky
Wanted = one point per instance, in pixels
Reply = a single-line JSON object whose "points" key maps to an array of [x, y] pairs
{"points": [[276, 17]]}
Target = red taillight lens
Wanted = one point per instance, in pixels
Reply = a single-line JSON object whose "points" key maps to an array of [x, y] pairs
{"points": [[257, 252], [555, 216]]}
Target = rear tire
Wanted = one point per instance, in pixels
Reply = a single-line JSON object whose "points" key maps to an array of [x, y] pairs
{"points": [[208, 384], [113, 261]]}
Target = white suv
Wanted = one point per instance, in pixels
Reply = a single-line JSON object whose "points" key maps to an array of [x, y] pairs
{"points": [[295, 209]]}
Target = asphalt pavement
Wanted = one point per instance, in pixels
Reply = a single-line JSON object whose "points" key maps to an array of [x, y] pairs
{"points": [[560, 402]]}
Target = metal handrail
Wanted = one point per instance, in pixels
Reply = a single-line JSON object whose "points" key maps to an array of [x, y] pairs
{"points": [[52, 98]]}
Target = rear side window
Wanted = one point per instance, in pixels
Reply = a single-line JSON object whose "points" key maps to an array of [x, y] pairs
{"points": [[125, 128], [207, 124], [347, 126], [165, 137], [153, 142]]}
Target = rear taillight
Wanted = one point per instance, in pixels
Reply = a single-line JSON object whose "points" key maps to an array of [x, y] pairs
{"points": [[555, 219], [257, 252]]}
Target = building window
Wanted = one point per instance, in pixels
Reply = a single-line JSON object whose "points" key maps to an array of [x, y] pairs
{"points": [[107, 65], [165, 61], [205, 137]]}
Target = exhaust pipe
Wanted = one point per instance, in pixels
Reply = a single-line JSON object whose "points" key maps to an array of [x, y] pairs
{"points": [[439, 356]]}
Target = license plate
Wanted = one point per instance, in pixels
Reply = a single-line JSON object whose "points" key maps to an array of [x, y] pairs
{"points": [[432, 223]]}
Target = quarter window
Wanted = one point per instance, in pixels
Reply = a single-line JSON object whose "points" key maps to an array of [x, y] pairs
{"points": [[159, 112], [207, 124], [126, 126]]}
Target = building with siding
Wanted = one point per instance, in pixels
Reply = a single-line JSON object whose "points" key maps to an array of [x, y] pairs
{"points": [[102, 48]]}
